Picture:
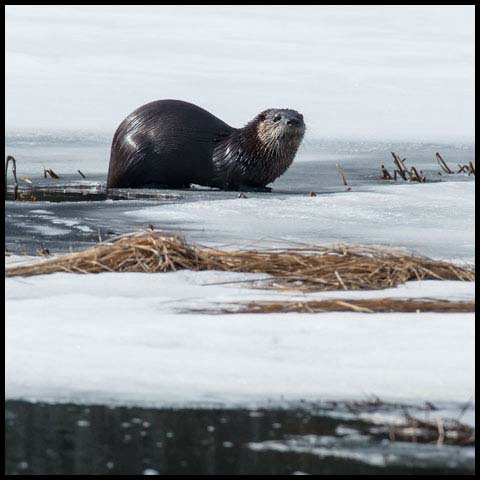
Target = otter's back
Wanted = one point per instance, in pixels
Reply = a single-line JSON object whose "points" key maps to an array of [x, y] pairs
{"points": [[166, 142]]}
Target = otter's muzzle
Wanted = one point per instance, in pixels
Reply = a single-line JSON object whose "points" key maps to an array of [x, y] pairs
{"points": [[294, 122]]}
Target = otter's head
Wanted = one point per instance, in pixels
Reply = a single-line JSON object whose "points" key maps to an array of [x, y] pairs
{"points": [[280, 128], [260, 152]]}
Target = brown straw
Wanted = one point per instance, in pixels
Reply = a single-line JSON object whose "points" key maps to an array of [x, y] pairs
{"points": [[373, 305], [309, 268]]}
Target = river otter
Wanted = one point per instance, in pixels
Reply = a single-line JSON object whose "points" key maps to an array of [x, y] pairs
{"points": [[170, 143]]}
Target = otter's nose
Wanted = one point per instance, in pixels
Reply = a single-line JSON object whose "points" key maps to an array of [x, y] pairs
{"points": [[294, 121]]}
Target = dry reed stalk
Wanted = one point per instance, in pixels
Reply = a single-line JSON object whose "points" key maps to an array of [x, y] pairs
{"points": [[309, 268], [386, 174], [50, 173], [414, 176], [374, 305], [442, 163], [14, 172], [402, 169], [342, 174], [471, 168]]}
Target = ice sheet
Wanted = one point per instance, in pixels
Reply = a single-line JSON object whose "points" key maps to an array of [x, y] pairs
{"points": [[434, 219]]}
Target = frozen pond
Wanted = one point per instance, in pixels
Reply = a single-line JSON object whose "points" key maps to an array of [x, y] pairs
{"points": [[92, 346]]}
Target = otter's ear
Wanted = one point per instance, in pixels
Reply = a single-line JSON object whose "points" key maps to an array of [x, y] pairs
{"points": [[262, 116]]}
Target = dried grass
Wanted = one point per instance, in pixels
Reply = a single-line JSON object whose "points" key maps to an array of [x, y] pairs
{"points": [[309, 268], [373, 305]]}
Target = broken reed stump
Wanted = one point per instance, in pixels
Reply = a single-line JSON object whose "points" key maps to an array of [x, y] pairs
{"points": [[466, 169], [402, 169], [12, 160], [471, 168], [51, 173], [373, 305], [414, 176], [309, 268], [386, 174], [342, 176], [442, 163]]}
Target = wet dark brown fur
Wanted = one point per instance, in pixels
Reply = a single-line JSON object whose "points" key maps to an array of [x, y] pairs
{"points": [[170, 143]]}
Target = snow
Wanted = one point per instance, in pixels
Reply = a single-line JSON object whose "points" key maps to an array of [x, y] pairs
{"points": [[11, 260], [434, 219], [129, 338]]}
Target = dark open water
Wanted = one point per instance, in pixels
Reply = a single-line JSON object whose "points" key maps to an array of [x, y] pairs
{"points": [[73, 439]]}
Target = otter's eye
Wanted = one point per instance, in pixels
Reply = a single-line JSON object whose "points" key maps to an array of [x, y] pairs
{"points": [[276, 118]]}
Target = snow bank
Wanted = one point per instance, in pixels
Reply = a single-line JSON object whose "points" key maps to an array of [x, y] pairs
{"points": [[123, 339]]}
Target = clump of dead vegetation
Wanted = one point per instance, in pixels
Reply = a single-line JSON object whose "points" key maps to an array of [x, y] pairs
{"points": [[371, 305], [308, 268], [433, 428], [440, 431], [413, 174]]}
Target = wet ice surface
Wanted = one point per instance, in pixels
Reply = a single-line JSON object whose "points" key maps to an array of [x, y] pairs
{"points": [[422, 218], [435, 219]]}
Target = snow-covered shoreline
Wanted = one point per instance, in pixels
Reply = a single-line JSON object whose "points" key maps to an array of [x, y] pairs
{"points": [[118, 338]]}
